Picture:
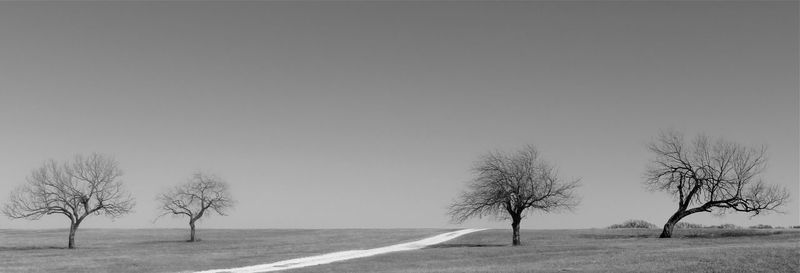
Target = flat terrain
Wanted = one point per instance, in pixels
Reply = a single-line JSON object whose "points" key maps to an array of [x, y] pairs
{"points": [[596, 250], [589, 250], [164, 250]]}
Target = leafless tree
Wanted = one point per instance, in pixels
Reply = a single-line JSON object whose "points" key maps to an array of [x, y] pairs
{"points": [[710, 176], [76, 189], [509, 186], [202, 195]]}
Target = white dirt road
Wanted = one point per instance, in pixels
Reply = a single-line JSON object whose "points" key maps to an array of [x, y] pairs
{"points": [[343, 255]]}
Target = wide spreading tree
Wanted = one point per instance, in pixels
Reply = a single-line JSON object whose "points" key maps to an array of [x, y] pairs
{"points": [[510, 186], [87, 185], [710, 175]]}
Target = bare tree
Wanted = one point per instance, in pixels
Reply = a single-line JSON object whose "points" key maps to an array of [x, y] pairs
{"points": [[509, 186], [710, 176], [85, 186], [201, 195]]}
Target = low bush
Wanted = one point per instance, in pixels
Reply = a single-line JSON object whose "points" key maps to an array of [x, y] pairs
{"points": [[761, 226], [634, 224], [688, 225], [725, 226]]}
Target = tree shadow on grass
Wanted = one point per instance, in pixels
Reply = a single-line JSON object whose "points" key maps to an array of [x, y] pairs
{"points": [[464, 245]]}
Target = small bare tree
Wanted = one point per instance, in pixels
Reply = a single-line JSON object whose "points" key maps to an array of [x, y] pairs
{"points": [[85, 186], [710, 176], [200, 196], [509, 186]]}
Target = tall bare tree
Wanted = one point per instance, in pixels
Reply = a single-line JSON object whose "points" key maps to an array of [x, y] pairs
{"points": [[710, 176], [202, 195], [87, 185], [509, 186]]}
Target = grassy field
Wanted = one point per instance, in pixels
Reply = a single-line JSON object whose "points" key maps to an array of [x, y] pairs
{"points": [[590, 250], [596, 250], [164, 250]]}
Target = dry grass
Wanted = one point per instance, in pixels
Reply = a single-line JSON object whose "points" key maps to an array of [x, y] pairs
{"points": [[596, 250], [164, 250]]}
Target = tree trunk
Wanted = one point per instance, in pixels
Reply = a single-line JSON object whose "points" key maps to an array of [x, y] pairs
{"points": [[515, 228], [667, 232], [73, 227], [191, 234]]}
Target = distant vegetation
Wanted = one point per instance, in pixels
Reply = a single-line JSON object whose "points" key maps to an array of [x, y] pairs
{"points": [[688, 225], [681, 225], [693, 225], [634, 224], [725, 226]]}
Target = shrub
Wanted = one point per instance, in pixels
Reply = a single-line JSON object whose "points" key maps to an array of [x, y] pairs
{"points": [[688, 225], [795, 227], [634, 224], [761, 226], [725, 226]]}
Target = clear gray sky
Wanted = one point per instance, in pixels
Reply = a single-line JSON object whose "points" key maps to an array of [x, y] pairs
{"points": [[357, 114]]}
